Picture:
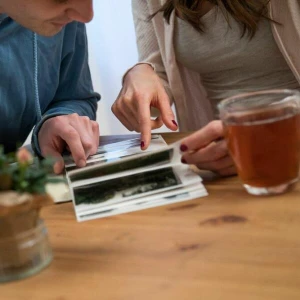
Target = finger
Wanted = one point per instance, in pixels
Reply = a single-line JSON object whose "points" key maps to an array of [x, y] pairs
{"points": [[125, 118], [128, 107], [73, 140], [58, 166], [211, 132], [213, 152], [144, 125], [217, 165], [227, 171], [167, 114], [96, 135], [83, 126], [132, 117], [157, 123], [89, 135], [127, 122]]}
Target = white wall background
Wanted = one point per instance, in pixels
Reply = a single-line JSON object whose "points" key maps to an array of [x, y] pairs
{"points": [[112, 50]]}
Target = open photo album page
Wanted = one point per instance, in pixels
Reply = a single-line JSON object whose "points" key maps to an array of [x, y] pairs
{"points": [[131, 180]]}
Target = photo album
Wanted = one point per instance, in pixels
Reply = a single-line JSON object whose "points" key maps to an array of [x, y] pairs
{"points": [[122, 178]]}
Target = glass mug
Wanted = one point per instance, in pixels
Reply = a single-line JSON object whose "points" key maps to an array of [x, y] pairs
{"points": [[262, 130]]}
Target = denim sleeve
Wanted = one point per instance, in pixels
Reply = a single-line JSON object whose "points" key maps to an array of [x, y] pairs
{"points": [[75, 92]]}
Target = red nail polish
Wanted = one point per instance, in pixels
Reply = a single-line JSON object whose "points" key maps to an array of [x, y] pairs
{"points": [[142, 144], [183, 148], [174, 122], [183, 161]]}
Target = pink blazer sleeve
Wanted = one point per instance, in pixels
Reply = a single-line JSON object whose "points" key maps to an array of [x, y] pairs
{"points": [[147, 38]]}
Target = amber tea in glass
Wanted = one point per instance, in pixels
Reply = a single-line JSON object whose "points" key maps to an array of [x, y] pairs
{"points": [[262, 130]]}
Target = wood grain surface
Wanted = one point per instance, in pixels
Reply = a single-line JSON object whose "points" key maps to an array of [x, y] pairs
{"points": [[229, 245]]}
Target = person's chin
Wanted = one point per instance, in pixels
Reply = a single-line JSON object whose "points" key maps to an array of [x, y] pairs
{"points": [[50, 30]]}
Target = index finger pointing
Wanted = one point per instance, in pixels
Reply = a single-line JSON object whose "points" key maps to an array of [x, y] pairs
{"points": [[145, 126]]}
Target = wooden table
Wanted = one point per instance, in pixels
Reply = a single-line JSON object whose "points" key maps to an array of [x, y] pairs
{"points": [[229, 245]]}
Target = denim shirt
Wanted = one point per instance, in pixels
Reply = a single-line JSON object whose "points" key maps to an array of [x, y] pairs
{"points": [[41, 77]]}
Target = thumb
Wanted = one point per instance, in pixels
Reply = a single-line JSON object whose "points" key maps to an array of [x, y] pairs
{"points": [[59, 164], [166, 113], [157, 123]]}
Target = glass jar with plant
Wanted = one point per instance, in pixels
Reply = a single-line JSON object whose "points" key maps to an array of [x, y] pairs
{"points": [[24, 245]]}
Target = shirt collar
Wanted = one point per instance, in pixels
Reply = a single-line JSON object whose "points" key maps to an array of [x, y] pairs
{"points": [[3, 17]]}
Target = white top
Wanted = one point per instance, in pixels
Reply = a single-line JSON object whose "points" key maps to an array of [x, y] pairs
{"points": [[227, 63]]}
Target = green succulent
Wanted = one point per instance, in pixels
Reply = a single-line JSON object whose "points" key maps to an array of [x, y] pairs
{"points": [[23, 173]]}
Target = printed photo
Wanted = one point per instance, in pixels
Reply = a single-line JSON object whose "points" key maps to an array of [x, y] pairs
{"points": [[148, 159], [124, 145], [170, 193], [146, 204], [116, 151], [123, 188]]}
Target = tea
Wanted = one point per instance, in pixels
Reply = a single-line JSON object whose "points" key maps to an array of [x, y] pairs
{"points": [[266, 150]]}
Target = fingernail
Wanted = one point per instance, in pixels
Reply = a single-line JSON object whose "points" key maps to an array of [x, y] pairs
{"points": [[174, 122], [81, 163], [183, 161], [183, 148], [142, 144]]}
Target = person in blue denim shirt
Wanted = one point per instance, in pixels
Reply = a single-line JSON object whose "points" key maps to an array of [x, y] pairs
{"points": [[45, 79]]}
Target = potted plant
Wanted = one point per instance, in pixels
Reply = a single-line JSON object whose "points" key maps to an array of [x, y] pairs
{"points": [[24, 246]]}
